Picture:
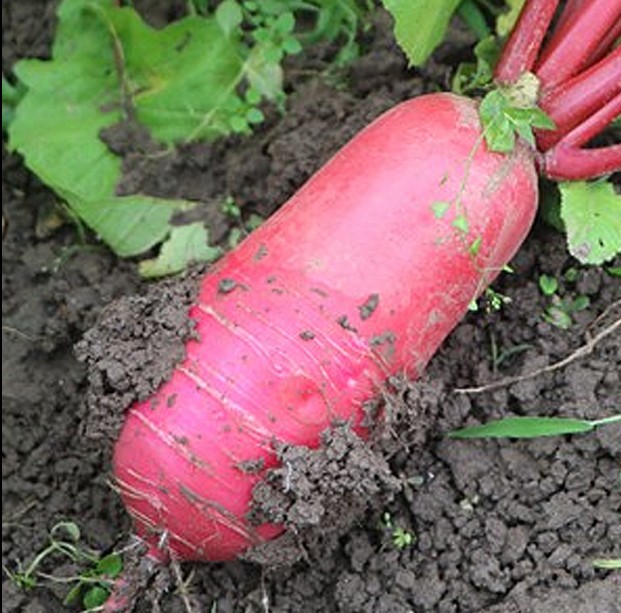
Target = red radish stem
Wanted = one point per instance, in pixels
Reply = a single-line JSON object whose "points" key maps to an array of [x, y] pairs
{"points": [[607, 43], [579, 97], [361, 275], [570, 96], [567, 160], [522, 49], [571, 46]]}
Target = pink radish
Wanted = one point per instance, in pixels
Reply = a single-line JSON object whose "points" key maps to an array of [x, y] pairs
{"points": [[361, 275], [302, 323]]}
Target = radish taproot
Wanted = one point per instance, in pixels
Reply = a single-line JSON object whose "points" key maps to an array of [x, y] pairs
{"points": [[301, 324], [361, 275]]}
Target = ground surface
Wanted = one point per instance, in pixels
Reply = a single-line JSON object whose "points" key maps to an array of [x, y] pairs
{"points": [[500, 527]]}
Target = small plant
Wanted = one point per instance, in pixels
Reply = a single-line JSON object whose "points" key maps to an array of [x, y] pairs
{"points": [[491, 300], [500, 354], [91, 586], [561, 309], [400, 537]]}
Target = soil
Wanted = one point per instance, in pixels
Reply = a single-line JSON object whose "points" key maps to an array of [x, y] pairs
{"points": [[494, 526]]}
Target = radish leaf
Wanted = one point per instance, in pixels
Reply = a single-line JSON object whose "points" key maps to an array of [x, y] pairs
{"points": [[186, 245], [103, 59], [507, 20], [591, 212], [420, 25]]}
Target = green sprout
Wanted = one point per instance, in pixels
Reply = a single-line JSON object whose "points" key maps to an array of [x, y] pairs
{"points": [[91, 585], [400, 537], [560, 311]]}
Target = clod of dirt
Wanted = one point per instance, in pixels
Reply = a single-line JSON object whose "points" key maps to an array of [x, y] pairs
{"points": [[327, 488], [133, 349]]}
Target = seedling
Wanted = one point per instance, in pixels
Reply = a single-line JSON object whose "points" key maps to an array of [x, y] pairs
{"points": [[548, 285], [560, 312], [400, 537], [91, 585], [230, 208]]}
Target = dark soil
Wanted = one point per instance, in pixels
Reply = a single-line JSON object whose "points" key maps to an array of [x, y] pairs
{"points": [[497, 526]]}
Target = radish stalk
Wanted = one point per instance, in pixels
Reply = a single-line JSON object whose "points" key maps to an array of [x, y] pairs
{"points": [[521, 50], [567, 160], [607, 43], [576, 99], [571, 46]]}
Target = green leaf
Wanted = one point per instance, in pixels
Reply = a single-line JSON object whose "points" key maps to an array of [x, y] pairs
{"points": [[525, 427], [548, 285], [129, 225], [420, 25], [264, 76], [254, 115], [475, 246], [186, 244], [558, 316], [614, 271], [284, 23], [461, 223], [507, 20], [73, 594], [580, 303], [591, 212], [229, 16], [470, 76], [95, 597], [540, 119], [499, 133], [181, 81], [440, 208], [110, 566], [472, 15], [291, 45]]}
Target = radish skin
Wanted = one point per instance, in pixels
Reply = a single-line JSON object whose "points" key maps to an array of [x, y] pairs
{"points": [[360, 275]]}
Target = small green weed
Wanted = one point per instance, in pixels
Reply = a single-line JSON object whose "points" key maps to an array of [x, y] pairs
{"points": [[91, 586], [561, 309], [400, 537]]}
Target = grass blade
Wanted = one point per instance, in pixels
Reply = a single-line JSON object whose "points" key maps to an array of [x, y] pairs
{"points": [[525, 427], [606, 564]]}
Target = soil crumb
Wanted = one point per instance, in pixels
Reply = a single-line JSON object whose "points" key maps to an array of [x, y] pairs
{"points": [[133, 349]]}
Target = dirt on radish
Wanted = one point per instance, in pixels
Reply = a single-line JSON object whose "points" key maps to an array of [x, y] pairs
{"points": [[497, 526]]}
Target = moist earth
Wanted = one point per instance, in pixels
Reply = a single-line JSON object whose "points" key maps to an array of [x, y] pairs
{"points": [[493, 526]]}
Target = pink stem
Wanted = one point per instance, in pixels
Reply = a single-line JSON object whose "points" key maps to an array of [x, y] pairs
{"points": [[567, 160], [568, 12], [572, 45], [607, 42], [573, 101], [521, 50]]}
